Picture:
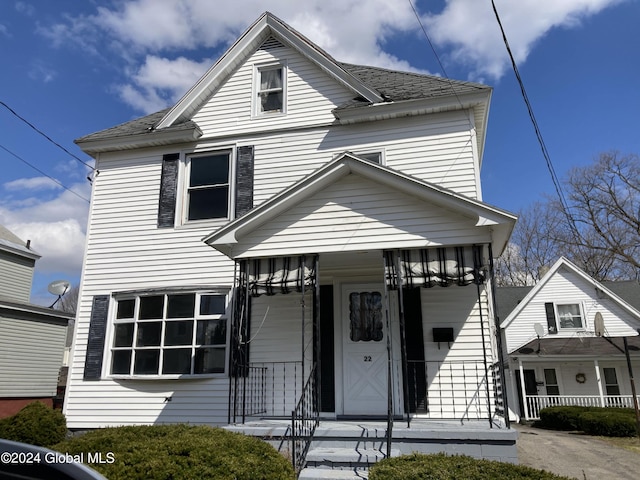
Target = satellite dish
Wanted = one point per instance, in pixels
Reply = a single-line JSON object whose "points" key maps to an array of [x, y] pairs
{"points": [[598, 324], [539, 329], [58, 287]]}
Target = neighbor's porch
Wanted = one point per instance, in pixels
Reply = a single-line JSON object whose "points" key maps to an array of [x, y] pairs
{"points": [[583, 371]]}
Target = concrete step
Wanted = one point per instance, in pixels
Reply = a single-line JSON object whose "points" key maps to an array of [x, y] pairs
{"points": [[329, 474], [345, 458]]}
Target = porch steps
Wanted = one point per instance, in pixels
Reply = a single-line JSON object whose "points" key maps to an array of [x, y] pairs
{"points": [[341, 463]]}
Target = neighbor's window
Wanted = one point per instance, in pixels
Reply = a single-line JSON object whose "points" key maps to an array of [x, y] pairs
{"points": [[551, 381], [570, 316], [170, 334], [611, 381], [270, 95], [208, 185]]}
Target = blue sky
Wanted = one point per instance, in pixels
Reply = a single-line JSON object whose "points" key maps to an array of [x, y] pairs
{"points": [[72, 68]]}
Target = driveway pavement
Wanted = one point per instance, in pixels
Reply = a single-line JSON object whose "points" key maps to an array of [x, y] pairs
{"points": [[575, 455]]}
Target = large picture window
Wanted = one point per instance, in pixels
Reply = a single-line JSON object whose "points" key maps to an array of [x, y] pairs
{"points": [[208, 186], [170, 334]]}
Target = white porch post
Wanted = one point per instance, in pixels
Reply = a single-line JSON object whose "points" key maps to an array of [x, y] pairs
{"points": [[599, 380], [525, 404]]}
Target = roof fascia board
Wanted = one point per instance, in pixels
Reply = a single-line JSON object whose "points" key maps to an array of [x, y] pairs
{"points": [[266, 25], [20, 251], [224, 238], [152, 138], [411, 107]]}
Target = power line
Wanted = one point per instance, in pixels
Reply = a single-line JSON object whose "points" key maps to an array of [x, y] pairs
{"points": [[543, 147], [33, 127], [43, 173]]}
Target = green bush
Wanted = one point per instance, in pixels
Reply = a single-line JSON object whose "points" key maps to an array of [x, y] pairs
{"points": [[178, 452], [562, 418], [608, 423], [36, 424], [443, 467]]}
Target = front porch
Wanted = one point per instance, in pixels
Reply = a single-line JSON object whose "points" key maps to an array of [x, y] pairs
{"points": [[348, 448]]}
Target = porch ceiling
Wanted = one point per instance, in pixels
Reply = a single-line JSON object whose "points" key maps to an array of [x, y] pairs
{"points": [[351, 204], [579, 346]]}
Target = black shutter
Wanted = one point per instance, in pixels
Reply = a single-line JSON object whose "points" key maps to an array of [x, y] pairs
{"points": [[95, 342], [327, 369], [416, 367], [168, 190], [244, 180], [551, 318]]}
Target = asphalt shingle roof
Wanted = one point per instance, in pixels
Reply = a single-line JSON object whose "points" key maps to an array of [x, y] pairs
{"points": [[393, 85]]}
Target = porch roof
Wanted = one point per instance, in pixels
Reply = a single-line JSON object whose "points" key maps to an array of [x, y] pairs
{"points": [[579, 346], [483, 220]]}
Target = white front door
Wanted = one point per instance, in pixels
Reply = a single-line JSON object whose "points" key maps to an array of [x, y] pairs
{"points": [[364, 350]]}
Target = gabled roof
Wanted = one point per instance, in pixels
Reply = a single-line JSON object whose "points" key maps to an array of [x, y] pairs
{"points": [[564, 263], [10, 242], [500, 221], [377, 93]]}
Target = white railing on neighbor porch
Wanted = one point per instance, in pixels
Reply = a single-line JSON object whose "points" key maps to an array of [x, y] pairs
{"points": [[535, 403]]}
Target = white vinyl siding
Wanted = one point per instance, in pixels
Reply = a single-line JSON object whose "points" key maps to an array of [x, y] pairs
{"points": [[229, 111], [359, 214], [16, 277], [461, 363], [30, 357], [565, 287]]}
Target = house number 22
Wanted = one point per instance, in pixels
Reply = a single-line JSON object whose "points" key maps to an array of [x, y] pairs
{"points": [[367, 358]]}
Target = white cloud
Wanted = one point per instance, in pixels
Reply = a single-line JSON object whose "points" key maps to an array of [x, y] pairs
{"points": [[465, 32], [470, 28], [55, 227], [34, 183]]}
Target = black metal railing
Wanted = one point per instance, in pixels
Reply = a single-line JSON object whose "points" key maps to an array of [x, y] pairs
{"points": [[304, 420], [454, 389], [268, 389]]}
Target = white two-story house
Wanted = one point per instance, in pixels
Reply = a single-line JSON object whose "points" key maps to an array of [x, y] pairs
{"points": [[293, 224]]}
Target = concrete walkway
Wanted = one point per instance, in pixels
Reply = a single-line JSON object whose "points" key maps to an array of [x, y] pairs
{"points": [[575, 455]]}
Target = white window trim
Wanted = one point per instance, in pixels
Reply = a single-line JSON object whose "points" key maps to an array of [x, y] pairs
{"points": [[570, 329], [182, 203], [256, 113], [109, 339]]}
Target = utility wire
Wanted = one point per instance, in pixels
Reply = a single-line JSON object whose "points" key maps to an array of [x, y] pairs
{"points": [[43, 173], [545, 153], [33, 127]]}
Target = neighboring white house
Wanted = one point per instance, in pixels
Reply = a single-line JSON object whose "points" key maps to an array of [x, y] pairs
{"points": [[32, 338], [565, 341], [255, 235]]}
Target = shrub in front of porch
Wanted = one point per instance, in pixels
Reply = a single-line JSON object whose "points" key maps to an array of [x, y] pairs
{"points": [[444, 467], [562, 418], [179, 451]]}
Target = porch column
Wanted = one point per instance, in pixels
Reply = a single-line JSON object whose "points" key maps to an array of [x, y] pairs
{"points": [[599, 381], [403, 339], [525, 404]]}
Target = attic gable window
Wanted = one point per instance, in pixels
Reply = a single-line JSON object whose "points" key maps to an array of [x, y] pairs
{"points": [[570, 316], [270, 89]]}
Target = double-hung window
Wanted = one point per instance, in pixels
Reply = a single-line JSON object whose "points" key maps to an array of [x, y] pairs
{"points": [[208, 191], [270, 95], [570, 316], [170, 334]]}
